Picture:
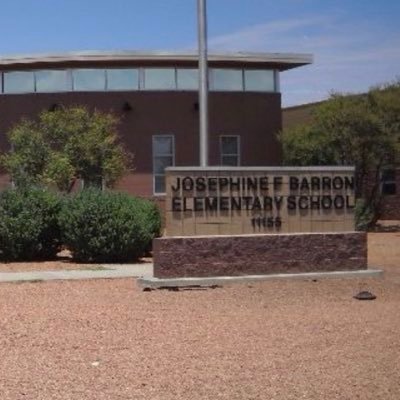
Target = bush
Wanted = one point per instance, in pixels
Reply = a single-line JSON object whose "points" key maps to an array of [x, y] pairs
{"points": [[364, 215], [152, 221], [107, 226], [28, 224]]}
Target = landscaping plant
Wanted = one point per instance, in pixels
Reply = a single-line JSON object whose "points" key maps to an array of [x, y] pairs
{"points": [[29, 224], [107, 226]]}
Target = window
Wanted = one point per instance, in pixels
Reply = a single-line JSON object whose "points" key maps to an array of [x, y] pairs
{"points": [[159, 78], [259, 80], [52, 81], [226, 79], [19, 82], [122, 79], [89, 79], [138, 78], [388, 179], [187, 78], [163, 156], [230, 150]]}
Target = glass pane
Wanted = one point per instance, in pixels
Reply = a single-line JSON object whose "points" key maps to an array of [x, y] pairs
{"points": [[122, 79], [159, 184], [188, 79], [51, 81], [160, 163], [230, 161], [89, 79], [162, 145], [226, 79], [259, 80], [229, 145], [19, 82], [389, 188], [159, 78], [388, 175]]}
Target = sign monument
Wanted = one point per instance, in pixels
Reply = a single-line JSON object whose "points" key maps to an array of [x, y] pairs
{"points": [[259, 220]]}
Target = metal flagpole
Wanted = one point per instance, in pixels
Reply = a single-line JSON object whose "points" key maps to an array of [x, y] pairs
{"points": [[203, 81]]}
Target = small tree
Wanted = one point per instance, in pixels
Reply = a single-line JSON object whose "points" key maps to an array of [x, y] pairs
{"points": [[359, 130], [65, 145]]}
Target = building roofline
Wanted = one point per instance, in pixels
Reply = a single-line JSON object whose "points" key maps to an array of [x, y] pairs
{"points": [[283, 61], [304, 105]]}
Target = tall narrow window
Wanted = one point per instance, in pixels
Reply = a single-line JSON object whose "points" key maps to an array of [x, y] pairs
{"points": [[388, 180], [230, 150], [163, 156]]}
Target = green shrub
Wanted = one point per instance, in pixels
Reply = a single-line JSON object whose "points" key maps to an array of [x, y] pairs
{"points": [[152, 221], [107, 226], [28, 224], [364, 215]]}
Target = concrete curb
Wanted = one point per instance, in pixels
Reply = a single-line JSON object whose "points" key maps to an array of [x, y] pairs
{"points": [[110, 272], [156, 283]]}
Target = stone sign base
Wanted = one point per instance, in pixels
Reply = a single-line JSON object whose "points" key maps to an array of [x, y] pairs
{"points": [[208, 256]]}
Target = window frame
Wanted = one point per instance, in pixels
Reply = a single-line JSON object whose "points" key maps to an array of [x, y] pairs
{"points": [[384, 182], [247, 71], [141, 84], [137, 88], [158, 89], [212, 79], [87, 69], [222, 155], [153, 139], [68, 76], [29, 71], [178, 70]]}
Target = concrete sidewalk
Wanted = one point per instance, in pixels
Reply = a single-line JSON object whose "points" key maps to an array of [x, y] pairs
{"points": [[111, 271], [147, 281]]}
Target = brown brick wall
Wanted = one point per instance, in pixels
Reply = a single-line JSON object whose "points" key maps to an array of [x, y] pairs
{"points": [[256, 117], [258, 254]]}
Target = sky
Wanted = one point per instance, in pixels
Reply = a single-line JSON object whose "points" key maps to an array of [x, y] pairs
{"points": [[355, 43]]}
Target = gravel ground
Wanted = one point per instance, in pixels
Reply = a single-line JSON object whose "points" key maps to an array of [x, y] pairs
{"points": [[106, 339]]}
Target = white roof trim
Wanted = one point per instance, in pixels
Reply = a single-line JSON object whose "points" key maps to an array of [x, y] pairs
{"points": [[292, 59]]}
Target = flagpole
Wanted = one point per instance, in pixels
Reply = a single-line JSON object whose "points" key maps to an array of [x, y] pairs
{"points": [[203, 81]]}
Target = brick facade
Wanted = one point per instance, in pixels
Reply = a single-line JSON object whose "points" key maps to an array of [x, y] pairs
{"points": [[203, 256], [173, 113]]}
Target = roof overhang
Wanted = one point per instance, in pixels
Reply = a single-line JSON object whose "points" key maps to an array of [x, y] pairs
{"points": [[280, 61]]}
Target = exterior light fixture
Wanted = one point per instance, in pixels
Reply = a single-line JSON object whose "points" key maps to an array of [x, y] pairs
{"points": [[127, 107], [55, 107]]}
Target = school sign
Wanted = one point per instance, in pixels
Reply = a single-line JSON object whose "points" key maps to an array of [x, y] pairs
{"points": [[233, 201]]}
